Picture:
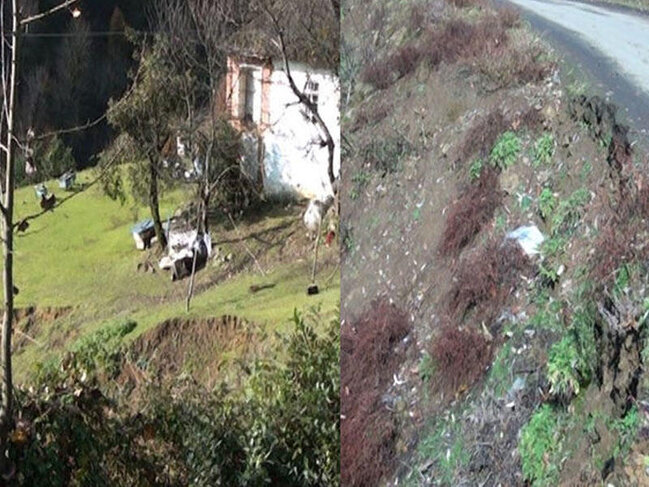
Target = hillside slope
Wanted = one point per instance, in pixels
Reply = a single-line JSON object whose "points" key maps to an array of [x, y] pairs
{"points": [[493, 367], [77, 272]]}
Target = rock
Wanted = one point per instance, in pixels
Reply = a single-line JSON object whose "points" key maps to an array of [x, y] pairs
{"points": [[509, 180]]}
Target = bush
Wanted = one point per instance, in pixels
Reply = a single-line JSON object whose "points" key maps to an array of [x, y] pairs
{"points": [[283, 429], [484, 280], [483, 134], [384, 155]]}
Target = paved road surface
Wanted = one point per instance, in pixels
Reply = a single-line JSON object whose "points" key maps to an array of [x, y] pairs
{"points": [[610, 45]]}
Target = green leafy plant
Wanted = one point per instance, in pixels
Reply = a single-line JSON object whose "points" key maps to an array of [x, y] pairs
{"points": [[475, 169], [567, 370], [569, 211], [539, 446], [627, 428], [426, 367], [505, 150], [543, 150], [547, 203]]}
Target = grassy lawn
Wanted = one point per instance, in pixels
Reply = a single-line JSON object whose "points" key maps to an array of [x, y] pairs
{"points": [[82, 255]]}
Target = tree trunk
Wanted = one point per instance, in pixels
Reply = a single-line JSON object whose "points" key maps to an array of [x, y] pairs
{"points": [[6, 416], [155, 206]]}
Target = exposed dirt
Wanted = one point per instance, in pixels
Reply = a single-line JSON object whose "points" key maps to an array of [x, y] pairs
{"points": [[203, 348], [29, 321]]}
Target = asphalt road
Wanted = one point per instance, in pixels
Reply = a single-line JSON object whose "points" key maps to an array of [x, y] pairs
{"points": [[610, 47]]}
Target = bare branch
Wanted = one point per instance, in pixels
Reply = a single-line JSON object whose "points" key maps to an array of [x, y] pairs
{"points": [[312, 107], [33, 18]]}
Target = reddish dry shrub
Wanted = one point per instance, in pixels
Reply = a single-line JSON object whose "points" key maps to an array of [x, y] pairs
{"points": [[378, 74], [471, 212], [484, 280], [367, 361], [461, 355], [370, 114], [457, 39], [405, 60], [613, 248]]}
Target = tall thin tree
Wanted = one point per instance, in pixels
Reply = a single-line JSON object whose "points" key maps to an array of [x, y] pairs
{"points": [[10, 65]]}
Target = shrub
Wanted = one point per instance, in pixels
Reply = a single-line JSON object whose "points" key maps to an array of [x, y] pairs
{"points": [[282, 429], [405, 60], [385, 154], [474, 209], [378, 74], [483, 134]]}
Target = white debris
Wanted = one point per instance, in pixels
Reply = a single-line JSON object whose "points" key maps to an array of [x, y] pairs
{"points": [[528, 237]]}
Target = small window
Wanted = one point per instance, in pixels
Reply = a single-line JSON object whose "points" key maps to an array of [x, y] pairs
{"points": [[250, 95]]}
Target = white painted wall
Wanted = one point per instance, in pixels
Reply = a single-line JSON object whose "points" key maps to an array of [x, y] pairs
{"points": [[294, 162]]}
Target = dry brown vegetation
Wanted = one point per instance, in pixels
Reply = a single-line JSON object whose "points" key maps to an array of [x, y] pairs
{"points": [[484, 43], [367, 361], [484, 280], [461, 354], [469, 213]]}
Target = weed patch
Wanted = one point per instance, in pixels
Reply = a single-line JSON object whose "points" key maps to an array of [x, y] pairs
{"points": [[538, 446], [543, 150]]}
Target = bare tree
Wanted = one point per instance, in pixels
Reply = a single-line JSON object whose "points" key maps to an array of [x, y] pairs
{"points": [[197, 34], [310, 27]]}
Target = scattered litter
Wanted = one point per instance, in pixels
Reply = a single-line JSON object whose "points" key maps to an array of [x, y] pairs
{"points": [[66, 181], [517, 386], [528, 237]]}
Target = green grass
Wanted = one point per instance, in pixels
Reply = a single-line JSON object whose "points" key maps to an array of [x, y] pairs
{"points": [[82, 255]]}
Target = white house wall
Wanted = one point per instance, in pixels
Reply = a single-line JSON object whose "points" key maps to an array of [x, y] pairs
{"points": [[294, 161]]}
